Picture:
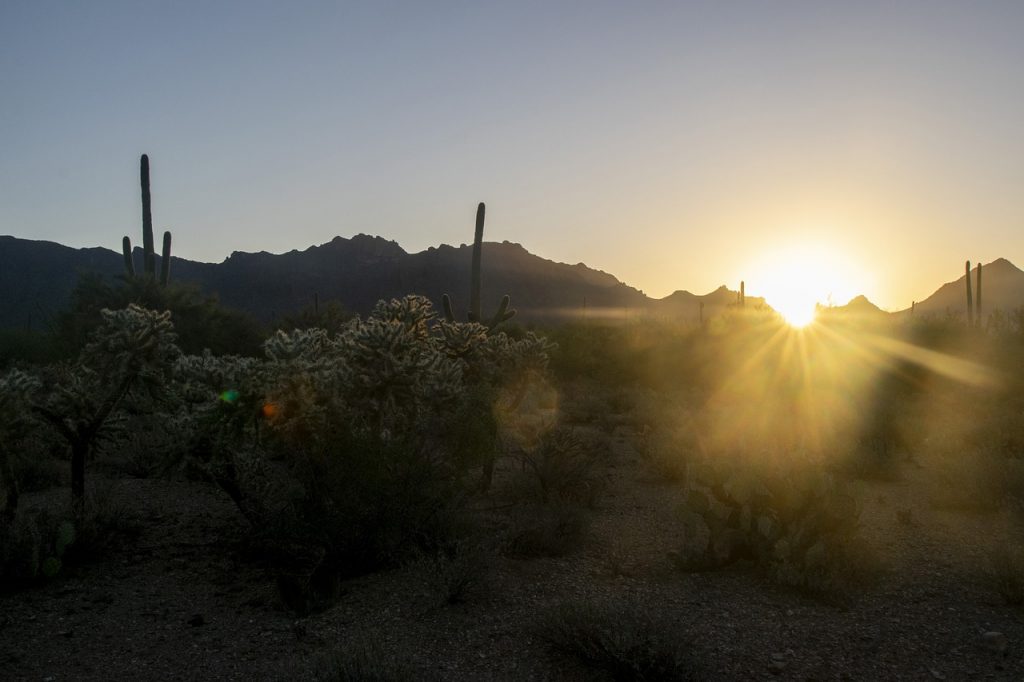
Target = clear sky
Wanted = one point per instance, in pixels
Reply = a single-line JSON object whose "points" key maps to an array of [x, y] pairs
{"points": [[676, 145]]}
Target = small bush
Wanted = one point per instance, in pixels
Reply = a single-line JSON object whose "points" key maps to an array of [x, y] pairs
{"points": [[453, 573], [625, 643], [560, 465]]}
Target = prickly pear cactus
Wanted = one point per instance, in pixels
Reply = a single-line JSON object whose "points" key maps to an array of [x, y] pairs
{"points": [[790, 518]]}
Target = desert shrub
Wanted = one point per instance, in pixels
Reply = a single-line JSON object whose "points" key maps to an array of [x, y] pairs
{"points": [[550, 530], [557, 463], [200, 321], [625, 643], [599, 352], [451, 574], [19, 346], [348, 452], [1007, 573], [790, 516], [32, 546], [40, 542]]}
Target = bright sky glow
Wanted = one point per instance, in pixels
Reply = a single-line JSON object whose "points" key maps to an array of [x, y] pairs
{"points": [[666, 143]]}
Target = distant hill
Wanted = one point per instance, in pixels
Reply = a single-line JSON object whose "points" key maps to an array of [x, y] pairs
{"points": [[1002, 288], [37, 278], [859, 306], [686, 306]]}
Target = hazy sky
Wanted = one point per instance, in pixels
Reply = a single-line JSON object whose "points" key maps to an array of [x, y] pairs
{"points": [[675, 145]]}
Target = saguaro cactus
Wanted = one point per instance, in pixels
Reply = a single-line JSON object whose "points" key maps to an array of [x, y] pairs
{"points": [[977, 299], [742, 298], [474, 314], [970, 299], [148, 258], [165, 260], [148, 247]]}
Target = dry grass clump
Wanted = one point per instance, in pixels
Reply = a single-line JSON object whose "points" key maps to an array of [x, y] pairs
{"points": [[363, 660], [451, 575], [620, 641]]}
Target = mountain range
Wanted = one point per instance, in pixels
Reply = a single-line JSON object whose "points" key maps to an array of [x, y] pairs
{"points": [[37, 277]]}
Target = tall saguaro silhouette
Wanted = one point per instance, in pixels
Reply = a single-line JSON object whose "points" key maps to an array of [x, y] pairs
{"points": [[475, 315], [977, 299], [148, 247], [970, 299]]}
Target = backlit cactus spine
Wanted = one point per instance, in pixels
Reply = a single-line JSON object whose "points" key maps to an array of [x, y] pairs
{"points": [[148, 247], [474, 315]]}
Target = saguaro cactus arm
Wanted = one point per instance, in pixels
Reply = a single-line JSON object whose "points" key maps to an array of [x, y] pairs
{"points": [[126, 250], [165, 259], [446, 303], [503, 314]]}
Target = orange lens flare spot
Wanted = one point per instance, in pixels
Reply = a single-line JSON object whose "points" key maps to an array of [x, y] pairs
{"points": [[269, 411]]}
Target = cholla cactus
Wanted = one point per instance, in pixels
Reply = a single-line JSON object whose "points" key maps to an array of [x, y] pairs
{"points": [[133, 348], [301, 344], [386, 417]]}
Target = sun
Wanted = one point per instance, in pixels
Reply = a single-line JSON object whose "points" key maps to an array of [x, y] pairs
{"points": [[796, 279], [797, 313]]}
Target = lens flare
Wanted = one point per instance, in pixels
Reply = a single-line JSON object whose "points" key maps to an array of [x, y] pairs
{"points": [[229, 396]]}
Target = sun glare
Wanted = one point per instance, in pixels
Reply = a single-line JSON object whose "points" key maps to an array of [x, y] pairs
{"points": [[796, 279]]}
